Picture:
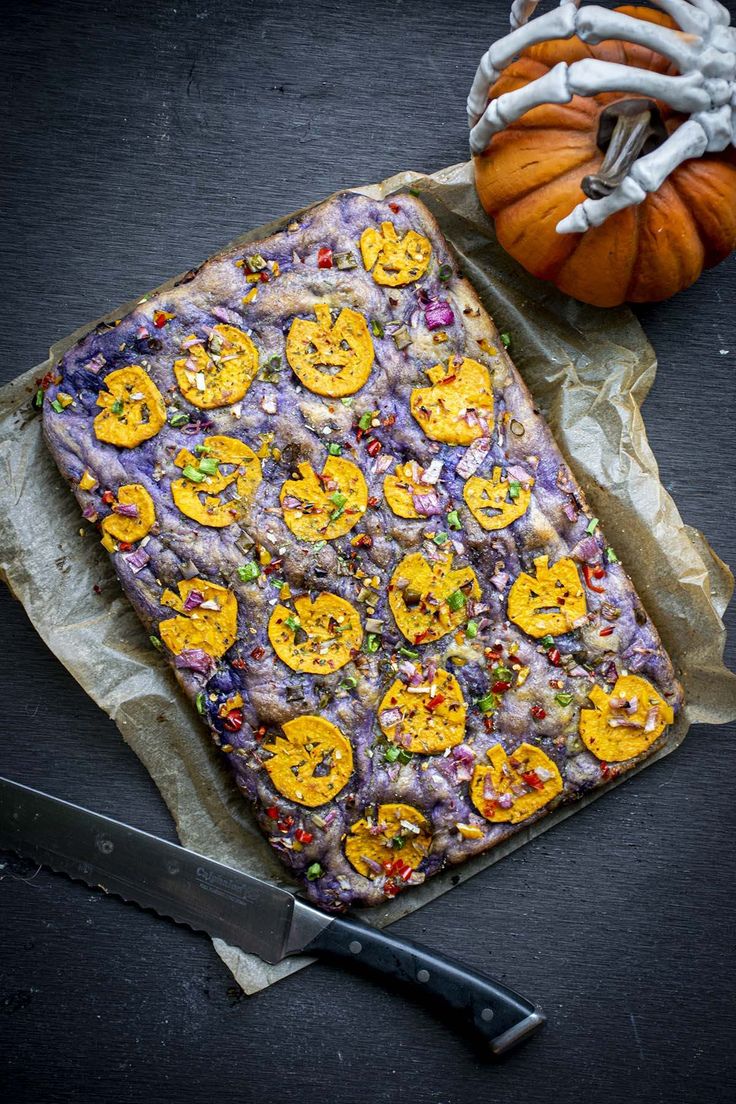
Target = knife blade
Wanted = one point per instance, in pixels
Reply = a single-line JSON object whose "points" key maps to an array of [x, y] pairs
{"points": [[250, 913]]}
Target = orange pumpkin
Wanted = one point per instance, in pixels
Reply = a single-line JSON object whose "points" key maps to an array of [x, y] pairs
{"points": [[530, 176]]}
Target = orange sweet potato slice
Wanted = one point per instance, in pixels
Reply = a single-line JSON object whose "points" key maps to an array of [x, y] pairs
{"points": [[330, 504], [118, 527], [432, 714], [625, 723], [220, 371], [551, 602], [309, 745], [203, 501], [333, 359], [428, 599], [459, 402], [318, 636], [514, 786], [395, 261], [133, 409], [211, 626], [395, 832], [496, 502]]}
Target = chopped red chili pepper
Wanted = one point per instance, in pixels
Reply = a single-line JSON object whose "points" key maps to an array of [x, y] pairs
{"points": [[264, 276], [607, 631], [532, 779], [48, 379], [394, 207], [273, 566], [108, 498], [605, 769], [260, 732], [302, 836], [285, 824], [273, 813], [239, 664], [422, 636], [500, 687], [324, 257], [435, 701], [374, 447], [233, 720], [390, 888], [514, 661], [553, 655], [488, 722], [591, 574], [363, 541], [125, 546], [373, 501], [258, 652], [389, 420], [160, 318], [538, 713]]}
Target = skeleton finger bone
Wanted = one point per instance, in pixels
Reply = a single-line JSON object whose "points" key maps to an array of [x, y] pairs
{"points": [[587, 78]]}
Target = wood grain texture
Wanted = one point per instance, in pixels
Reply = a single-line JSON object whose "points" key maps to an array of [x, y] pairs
{"points": [[137, 138]]}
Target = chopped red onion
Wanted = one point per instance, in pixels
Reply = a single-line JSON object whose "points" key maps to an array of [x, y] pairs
{"points": [[500, 579], [328, 818], [587, 550], [427, 504], [406, 669], [416, 678], [624, 722], [197, 427], [96, 363], [194, 659], [193, 599], [438, 314], [224, 314], [431, 474], [630, 705], [473, 457], [570, 511], [488, 791], [90, 513], [521, 475], [430, 671], [463, 753], [191, 341], [125, 509], [652, 719], [580, 672], [610, 672], [290, 502], [372, 864], [389, 717], [141, 333], [137, 560], [506, 801], [458, 546], [210, 604], [383, 463], [393, 771]]}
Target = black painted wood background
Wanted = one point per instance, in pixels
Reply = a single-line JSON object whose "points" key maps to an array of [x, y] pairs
{"points": [[137, 138]]}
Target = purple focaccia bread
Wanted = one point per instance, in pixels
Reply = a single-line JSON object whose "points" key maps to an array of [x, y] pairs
{"points": [[326, 491]]}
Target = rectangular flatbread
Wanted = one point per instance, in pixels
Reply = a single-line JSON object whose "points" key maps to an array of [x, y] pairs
{"points": [[328, 495]]}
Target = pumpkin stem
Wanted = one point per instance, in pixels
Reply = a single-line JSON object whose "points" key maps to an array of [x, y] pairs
{"points": [[625, 129]]}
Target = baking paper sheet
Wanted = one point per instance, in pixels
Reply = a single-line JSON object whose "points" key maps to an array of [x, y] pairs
{"points": [[589, 371]]}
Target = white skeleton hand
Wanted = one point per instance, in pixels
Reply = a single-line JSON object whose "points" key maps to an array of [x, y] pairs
{"points": [[703, 50]]}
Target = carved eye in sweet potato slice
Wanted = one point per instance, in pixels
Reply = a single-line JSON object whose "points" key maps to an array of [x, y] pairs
{"points": [[395, 261], [514, 786], [458, 407], [401, 487], [132, 516], [625, 723], [133, 409], [428, 600], [323, 507], [395, 832], [496, 502], [427, 718], [311, 763], [207, 621], [316, 637], [552, 602], [217, 372], [331, 359], [201, 493]]}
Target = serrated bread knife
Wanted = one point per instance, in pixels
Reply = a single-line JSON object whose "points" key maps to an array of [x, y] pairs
{"points": [[247, 912]]}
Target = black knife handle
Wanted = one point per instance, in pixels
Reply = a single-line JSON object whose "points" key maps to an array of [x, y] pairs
{"points": [[495, 1016]]}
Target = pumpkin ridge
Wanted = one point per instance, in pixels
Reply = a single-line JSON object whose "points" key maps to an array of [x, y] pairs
{"points": [[693, 199]]}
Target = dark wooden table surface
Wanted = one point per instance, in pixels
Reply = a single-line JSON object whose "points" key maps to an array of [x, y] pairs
{"points": [[138, 137]]}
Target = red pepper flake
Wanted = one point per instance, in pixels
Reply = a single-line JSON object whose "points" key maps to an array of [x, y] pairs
{"points": [[363, 541], [48, 379], [374, 447], [488, 722], [435, 701], [532, 779], [500, 687], [395, 208], [324, 257], [607, 631], [301, 836], [258, 652], [553, 655], [391, 889], [494, 653], [264, 276], [373, 501], [160, 318], [389, 420], [239, 664], [591, 573], [273, 813], [422, 636], [447, 379], [538, 713], [285, 824], [125, 546], [605, 770], [260, 732], [514, 661], [108, 498], [274, 565], [233, 721], [97, 588]]}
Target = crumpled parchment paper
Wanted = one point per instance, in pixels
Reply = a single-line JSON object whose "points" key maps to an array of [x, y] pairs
{"points": [[589, 370]]}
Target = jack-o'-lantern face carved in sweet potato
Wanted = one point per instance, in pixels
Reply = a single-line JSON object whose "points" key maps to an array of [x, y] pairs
{"points": [[625, 723], [316, 637], [427, 718], [311, 763], [132, 517], [323, 507], [218, 371], [428, 600], [207, 618], [215, 484], [458, 407], [512, 787], [394, 831], [133, 409], [496, 502], [549, 602], [331, 358], [394, 261]]}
